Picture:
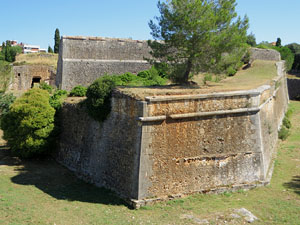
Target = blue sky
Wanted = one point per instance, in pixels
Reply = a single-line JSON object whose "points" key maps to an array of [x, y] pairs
{"points": [[34, 21]]}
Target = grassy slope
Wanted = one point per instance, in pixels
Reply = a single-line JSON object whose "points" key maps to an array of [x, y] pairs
{"points": [[37, 59], [42, 192]]}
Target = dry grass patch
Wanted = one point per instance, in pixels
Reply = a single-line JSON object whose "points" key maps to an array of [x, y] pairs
{"points": [[37, 59]]}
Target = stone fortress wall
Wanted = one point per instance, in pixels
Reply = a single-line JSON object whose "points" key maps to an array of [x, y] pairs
{"points": [[84, 59], [23, 76], [175, 145]]}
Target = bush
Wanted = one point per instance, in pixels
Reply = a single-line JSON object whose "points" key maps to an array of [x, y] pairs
{"points": [[5, 101], [286, 122], [78, 91], [287, 55], [46, 87], [28, 124], [99, 93], [283, 133], [57, 99], [98, 97]]}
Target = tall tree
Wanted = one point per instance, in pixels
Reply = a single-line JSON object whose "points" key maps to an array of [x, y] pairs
{"points": [[50, 50], [195, 35], [278, 42], [56, 40]]}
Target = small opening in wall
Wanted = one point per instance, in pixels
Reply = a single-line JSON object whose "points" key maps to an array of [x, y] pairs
{"points": [[19, 74], [35, 81]]}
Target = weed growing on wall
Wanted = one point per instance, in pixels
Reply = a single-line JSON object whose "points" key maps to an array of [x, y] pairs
{"points": [[29, 123]]}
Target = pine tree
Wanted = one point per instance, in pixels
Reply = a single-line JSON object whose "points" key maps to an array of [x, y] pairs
{"points": [[194, 35], [56, 41]]}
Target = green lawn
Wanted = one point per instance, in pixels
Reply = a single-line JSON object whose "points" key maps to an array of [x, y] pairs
{"points": [[42, 192]]}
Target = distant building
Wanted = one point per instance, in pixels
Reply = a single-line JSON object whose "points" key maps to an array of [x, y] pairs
{"points": [[30, 48], [27, 48]]}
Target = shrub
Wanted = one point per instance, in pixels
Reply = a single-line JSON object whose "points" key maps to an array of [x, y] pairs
{"points": [[99, 93], [46, 87], [283, 133], [78, 91], [151, 77], [29, 123], [98, 97], [57, 98], [207, 77], [286, 122], [5, 101]]}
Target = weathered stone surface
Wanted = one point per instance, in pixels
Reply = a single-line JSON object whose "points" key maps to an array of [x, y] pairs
{"points": [[83, 59], [264, 54], [181, 153], [23, 76]]}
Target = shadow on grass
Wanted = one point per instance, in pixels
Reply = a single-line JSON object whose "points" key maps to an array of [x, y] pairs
{"points": [[56, 181], [294, 184]]}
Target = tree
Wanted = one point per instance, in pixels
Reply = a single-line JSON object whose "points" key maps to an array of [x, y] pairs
{"points": [[278, 42], [251, 40], [28, 124], [194, 35], [9, 52], [56, 41], [50, 50]]}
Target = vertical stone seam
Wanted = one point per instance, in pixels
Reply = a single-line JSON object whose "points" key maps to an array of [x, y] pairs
{"points": [[141, 150]]}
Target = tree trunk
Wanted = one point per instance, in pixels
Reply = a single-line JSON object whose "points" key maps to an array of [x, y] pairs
{"points": [[187, 71]]}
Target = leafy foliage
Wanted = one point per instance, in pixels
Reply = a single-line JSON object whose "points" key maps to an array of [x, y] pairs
{"points": [[5, 101], [193, 35], [29, 123], [286, 125], [98, 97], [5, 75], [57, 99], [9, 52], [45, 86], [295, 48], [287, 55], [99, 92], [78, 91], [251, 40]]}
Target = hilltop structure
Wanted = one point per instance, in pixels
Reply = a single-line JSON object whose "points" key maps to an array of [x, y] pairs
{"points": [[84, 59], [157, 147]]}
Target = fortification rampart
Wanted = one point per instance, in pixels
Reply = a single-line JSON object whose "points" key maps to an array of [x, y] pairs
{"points": [[174, 145], [264, 54], [84, 59]]}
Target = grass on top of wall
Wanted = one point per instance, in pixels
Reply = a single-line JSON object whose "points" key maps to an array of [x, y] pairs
{"points": [[43, 192]]}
